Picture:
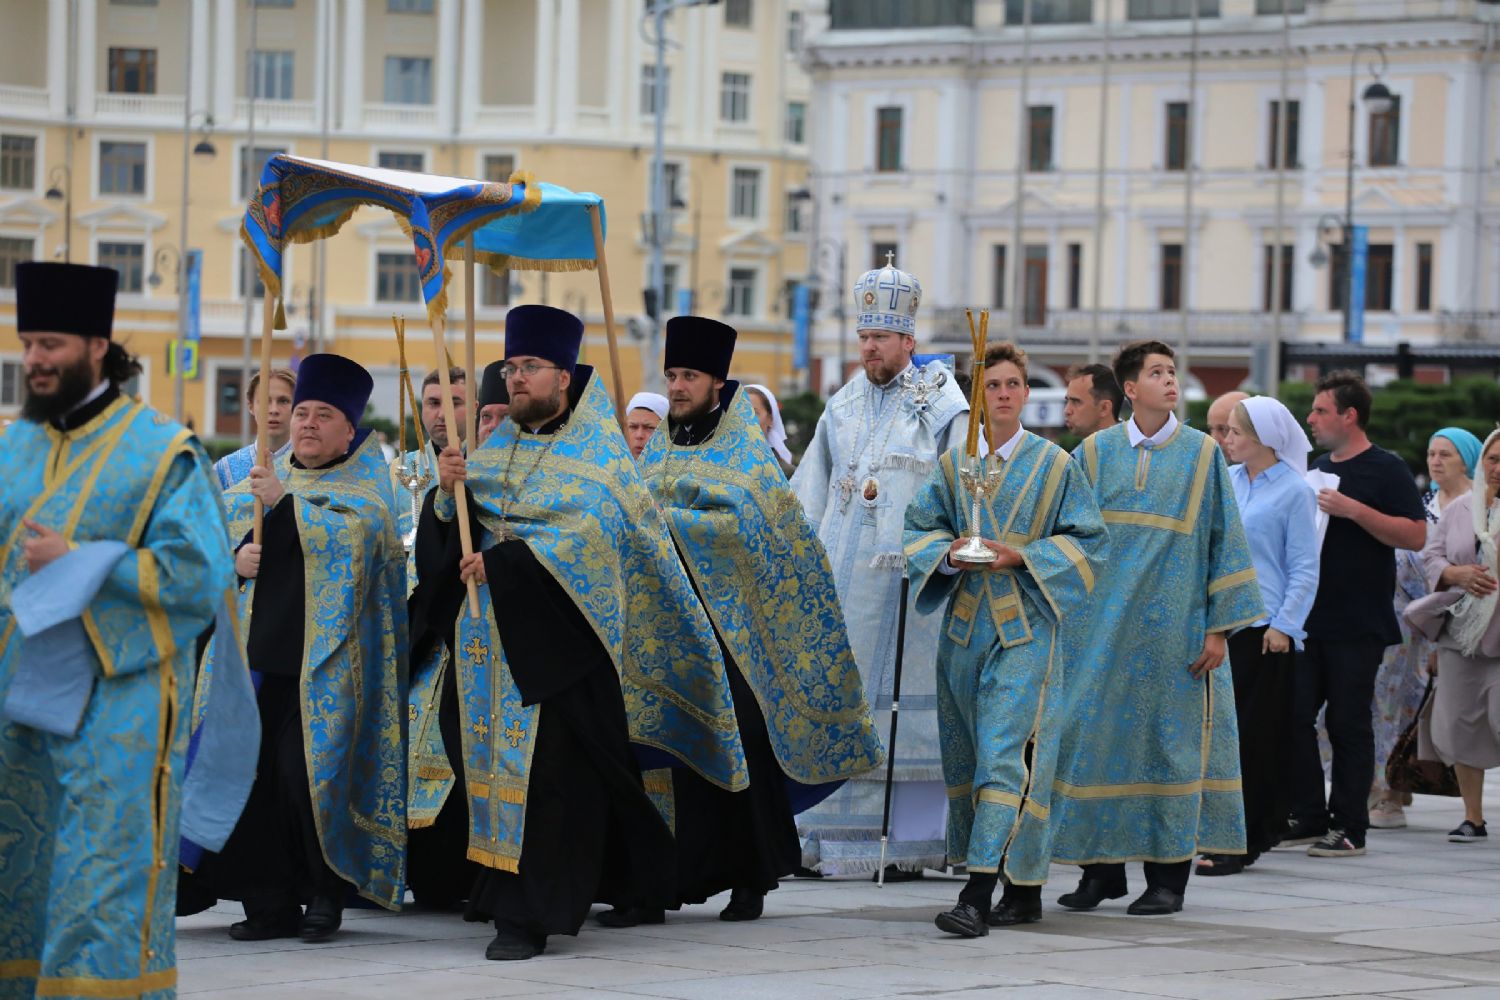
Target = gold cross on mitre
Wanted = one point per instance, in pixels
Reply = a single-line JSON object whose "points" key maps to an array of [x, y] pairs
{"points": [[480, 729], [515, 733], [477, 650]]}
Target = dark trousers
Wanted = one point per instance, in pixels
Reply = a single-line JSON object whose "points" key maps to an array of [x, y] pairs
{"points": [[1342, 676], [1172, 875], [1262, 708]]}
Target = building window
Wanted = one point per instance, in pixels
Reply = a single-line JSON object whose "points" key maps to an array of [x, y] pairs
{"points": [[13, 250], [132, 71], [997, 298], [1050, 11], [739, 300], [1039, 137], [11, 375], [1268, 276], [1293, 130], [408, 79], [745, 197], [17, 162], [900, 13], [255, 161], [1275, 6], [1175, 153], [130, 260], [648, 89], [737, 13], [498, 168], [1170, 296], [388, 160], [249, 276], [1075, 275], [1168, 10], [669, 282], [672, 175], [794, 27], [274, 3], [1424, 277], [1035, 312], [1385, 135], [796, 122], [883, 254], [271, 75], [122, 168], [734, 97], [397, 278], [1378, 268], [888, 139], [494, 289], [793, 217], [409, 6]]}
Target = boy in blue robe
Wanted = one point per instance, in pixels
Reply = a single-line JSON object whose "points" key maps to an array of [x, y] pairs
{"points": [[115, 560], [236, 465], [1000, 669], [1149, 766]]}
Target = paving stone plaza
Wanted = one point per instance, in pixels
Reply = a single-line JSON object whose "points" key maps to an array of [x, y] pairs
{"points": [[1415, 918]]}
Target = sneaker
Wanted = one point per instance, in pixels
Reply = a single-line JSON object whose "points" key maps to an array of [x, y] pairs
{"points": [[1467, 833], [1335, 845], [1302, 831], [1387, 815]]}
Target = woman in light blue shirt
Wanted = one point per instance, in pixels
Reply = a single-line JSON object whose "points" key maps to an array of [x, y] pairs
{"points": [[1279, 511]]}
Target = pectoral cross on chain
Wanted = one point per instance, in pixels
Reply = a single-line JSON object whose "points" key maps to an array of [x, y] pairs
{"points": [[846, 493], [477, 650], [515, 733]]}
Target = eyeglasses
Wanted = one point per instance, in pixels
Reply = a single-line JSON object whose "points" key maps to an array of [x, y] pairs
{"points": [[527, 370]]}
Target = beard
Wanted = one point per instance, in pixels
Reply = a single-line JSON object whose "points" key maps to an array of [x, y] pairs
{"points": [[74, 382], [689, 411], [880, 372], [534, 409]]}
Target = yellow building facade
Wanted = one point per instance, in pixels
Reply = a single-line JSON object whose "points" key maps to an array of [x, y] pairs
{"points": [[92, 166]]}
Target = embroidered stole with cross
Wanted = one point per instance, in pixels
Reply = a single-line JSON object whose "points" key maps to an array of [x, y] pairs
{"points": [[499, 734]]}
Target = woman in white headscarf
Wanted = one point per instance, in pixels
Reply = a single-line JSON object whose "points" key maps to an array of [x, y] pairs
{"points": [[1463, 617], [1279, 511], [768, 412]]}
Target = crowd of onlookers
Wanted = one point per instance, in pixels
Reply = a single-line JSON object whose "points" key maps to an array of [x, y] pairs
{"points": [[1376, 672]]}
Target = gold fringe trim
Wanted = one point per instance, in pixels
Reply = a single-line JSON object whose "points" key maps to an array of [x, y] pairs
{"points": [[108, 989], [434, 771], [480, 790], [420, 823], [492, 860]]}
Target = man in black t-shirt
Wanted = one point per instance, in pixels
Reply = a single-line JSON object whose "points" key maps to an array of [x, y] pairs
{"points": [[1374, 511]]}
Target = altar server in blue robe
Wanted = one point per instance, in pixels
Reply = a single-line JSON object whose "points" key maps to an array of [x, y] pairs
{"points": [[1000, 664], [115, 560], [1149, 766], [237, 464], [324, 606]]}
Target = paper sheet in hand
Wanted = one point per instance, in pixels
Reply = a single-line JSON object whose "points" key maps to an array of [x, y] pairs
{"points": [[1320, 480]]}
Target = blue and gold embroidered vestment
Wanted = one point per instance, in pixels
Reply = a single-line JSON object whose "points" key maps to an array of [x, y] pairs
{"points": [[88, 824]]}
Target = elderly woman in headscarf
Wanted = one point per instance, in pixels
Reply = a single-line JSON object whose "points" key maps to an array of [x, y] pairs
{"points": [[768, 413], [1401, 680], [1279, 511], [1461, 618]]}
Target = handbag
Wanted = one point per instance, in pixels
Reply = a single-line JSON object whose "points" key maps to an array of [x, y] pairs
{"points": [[1405, 772]]}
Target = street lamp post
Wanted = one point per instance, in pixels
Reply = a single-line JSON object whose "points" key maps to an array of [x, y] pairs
{"points": [[203, 148], [63, 191]]}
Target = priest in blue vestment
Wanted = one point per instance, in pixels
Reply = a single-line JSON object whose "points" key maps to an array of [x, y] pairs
{"points": [[1001, 667], [323, 602], [1149, 766], [115, 561], [237, 464]]}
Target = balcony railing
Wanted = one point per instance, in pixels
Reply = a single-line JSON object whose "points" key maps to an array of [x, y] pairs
{"points": [[138, 106], [1469, 327], [23, 98], [857, 14], [503, 116], [276, 114], [416, 117], [1226, 327]]}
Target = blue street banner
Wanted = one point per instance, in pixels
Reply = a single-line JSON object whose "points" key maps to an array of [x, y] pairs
{"points": [[187, 351], [802, 322], [684, 301], [1359, 261]]}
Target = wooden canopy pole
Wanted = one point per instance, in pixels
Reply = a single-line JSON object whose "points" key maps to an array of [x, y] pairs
{"points": [[460, 495], [262, 405], [602, 266], [471, 388]]}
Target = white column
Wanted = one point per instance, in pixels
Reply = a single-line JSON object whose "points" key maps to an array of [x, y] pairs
{"points": [[622, 87], [546, 57], [57, 57], [87, 56], [568, 39], [471, 78], [197, 95], [321, 51], [226, 61], [354, 64], [446, 91]]}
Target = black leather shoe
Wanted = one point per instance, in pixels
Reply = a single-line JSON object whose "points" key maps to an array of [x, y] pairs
{"points": [[1091, 892], [268, 926], [1009, 912], [630, 916], [894, 874], [963, 920], [744, 904], [324, 916], [1155, 902], [514, 946], [1210, 865]]}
